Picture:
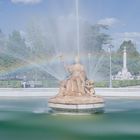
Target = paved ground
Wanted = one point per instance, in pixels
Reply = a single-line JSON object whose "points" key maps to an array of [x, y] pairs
{"points": [[106, 92]]}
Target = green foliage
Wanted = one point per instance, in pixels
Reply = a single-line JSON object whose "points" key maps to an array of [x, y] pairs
{"points": [[133, 58], [118, 83], [7, 61], [14, 52], [10, 84], [50, 83], [101, 84], [16, 46], [2, 41], [131, 48], [125, 83], [40, 44], [94, 38]]}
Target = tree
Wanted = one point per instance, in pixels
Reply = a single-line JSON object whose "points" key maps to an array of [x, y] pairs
{"points": [[130, 47], [59, 38], [16, 46], [2, 41], [94, 37], [37, 39], [133, 58]]}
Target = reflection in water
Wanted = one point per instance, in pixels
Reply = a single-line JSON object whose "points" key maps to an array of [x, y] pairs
{"points": [[27, 118]]}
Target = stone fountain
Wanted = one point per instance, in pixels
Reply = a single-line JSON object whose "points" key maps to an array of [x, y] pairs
{"points": [[76, 93]]}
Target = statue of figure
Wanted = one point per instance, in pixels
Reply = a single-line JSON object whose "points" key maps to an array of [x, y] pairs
{"points": [[76, 84], [76, 80], [89, 87], [62, 88]]}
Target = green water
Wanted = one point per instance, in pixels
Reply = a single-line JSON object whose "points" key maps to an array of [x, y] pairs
{"points": [[27, 119]]}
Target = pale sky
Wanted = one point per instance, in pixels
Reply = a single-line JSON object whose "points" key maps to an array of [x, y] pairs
{"points": [[123, 16]]}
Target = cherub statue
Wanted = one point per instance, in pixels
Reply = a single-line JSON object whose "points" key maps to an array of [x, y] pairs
{"points": [[89, 87]]}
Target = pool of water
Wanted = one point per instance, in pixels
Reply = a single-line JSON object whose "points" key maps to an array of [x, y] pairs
{"points": [[28, 119]]}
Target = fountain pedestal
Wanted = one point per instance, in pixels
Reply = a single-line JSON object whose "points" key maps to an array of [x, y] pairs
{"points": [[77, 105], [76, 94]]}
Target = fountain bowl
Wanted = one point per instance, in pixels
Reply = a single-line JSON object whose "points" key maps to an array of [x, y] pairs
{"points": [[77, 105]]}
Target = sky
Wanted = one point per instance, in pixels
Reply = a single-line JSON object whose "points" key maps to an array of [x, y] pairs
{"points": [[122, 16]]}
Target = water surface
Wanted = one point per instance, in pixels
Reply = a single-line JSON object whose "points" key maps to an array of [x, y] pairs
{"points": [[28, 119]]}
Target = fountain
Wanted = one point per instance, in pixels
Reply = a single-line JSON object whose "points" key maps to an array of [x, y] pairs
{"points": [[76, 93]]}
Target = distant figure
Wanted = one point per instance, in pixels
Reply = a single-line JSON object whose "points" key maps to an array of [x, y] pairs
{"points": [[24, 84]]}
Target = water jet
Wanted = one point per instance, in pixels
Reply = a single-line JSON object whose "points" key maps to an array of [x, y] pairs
{"points": [[76, 93]]}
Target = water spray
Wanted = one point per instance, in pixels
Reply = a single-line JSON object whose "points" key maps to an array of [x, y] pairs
{"points": [[77, 28]]}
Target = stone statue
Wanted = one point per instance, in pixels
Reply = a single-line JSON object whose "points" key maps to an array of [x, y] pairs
{"points": [[76, 93], [77, 83], [89, 87]]}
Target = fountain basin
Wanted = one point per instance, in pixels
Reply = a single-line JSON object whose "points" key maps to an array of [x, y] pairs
{"points": [[77, 105]]}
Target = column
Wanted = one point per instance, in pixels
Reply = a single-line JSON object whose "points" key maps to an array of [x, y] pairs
{"points": [[124, 58]]}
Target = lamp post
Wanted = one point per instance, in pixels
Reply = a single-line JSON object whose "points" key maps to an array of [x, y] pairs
{"points": [[110, 66], [89, 65]]}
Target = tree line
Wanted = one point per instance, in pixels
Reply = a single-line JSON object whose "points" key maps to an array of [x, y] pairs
{"points": [[37, 43]]}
